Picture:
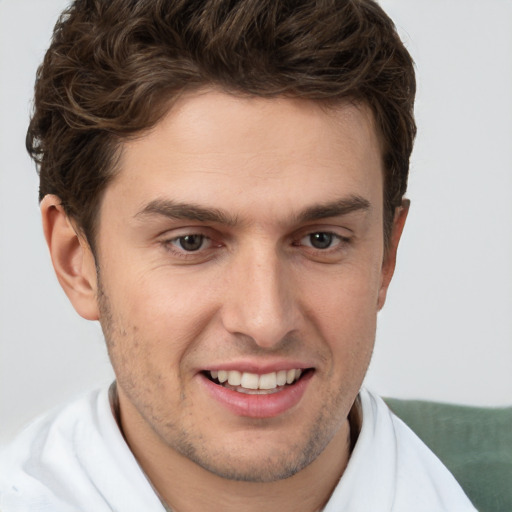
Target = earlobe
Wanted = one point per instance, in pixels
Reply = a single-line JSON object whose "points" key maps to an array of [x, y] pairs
{"points": [[72, 258], [388, 265]]}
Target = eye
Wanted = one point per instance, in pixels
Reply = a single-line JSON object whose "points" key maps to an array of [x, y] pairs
{"points": [[190, 243], [320, 240]]}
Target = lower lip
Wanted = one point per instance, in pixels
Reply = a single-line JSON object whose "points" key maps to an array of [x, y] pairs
{"points": [[258, 406]]}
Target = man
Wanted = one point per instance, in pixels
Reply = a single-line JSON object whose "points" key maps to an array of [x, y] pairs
{"points": [[222, 188]]}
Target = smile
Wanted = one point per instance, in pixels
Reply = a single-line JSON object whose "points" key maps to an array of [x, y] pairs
{"points": [[257, 395], [252, 383]]}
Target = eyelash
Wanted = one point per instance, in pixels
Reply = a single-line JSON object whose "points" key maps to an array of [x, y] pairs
{"points": [[341, 241], [170, 244]]}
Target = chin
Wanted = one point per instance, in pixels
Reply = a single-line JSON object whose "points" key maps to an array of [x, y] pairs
{"points": [[258, 458], [256, 471]]}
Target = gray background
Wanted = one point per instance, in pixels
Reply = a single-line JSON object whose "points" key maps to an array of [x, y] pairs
{"points": [[446, 331]]}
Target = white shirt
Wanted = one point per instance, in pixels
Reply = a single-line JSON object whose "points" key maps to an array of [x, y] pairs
{"points": [[75, 459]]}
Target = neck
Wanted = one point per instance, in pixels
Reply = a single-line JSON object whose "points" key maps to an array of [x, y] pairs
{"points": [[185, 486]]}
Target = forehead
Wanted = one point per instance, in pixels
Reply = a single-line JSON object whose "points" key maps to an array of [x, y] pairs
{"points": [[213, 147]]}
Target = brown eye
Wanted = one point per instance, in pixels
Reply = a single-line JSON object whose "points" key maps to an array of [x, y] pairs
{"points": [[190, 243], [321, 240]]}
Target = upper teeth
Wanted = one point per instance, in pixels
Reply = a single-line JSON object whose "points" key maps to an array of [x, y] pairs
{"points": [[254, 381]]}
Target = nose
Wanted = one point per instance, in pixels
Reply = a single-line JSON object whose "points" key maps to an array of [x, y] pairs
{"points": [[260, 302]]}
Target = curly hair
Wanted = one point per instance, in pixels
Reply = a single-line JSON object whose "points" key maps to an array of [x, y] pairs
{"points": [[114, 67]]}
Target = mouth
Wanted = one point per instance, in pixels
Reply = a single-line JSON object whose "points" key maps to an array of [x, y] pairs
{"points": [[257, 384]]}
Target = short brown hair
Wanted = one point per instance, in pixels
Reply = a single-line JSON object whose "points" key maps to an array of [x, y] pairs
{"points": [[114, 66]]}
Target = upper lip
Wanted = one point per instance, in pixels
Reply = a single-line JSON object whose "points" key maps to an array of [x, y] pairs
{"points": [[260, 368]]}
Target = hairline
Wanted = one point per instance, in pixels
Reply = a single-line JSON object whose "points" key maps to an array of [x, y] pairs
{"points": [[328, 105]]}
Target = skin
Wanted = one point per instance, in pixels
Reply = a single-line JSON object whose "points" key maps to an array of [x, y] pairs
{"points": [[256, 291]]}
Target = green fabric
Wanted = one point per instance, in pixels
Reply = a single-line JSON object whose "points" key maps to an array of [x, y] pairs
{"points": [[474, 443]]}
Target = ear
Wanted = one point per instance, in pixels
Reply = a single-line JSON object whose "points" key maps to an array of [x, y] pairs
{"points": [[389, 262], [72, 258]]}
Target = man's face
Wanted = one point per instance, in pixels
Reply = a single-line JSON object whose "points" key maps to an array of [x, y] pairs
{"points": [[243, 237]]}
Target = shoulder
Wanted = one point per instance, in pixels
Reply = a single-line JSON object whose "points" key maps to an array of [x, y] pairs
{"points": [[71, 458], [54, 429], [397, 466], [34, 465]]}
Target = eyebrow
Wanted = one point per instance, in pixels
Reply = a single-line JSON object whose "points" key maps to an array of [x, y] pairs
{"points": [[337, 208], [187, 211]]}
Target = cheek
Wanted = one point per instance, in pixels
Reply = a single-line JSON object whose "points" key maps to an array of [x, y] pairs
{"points": [[343, 309], [161, 312], [346, 294]]}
